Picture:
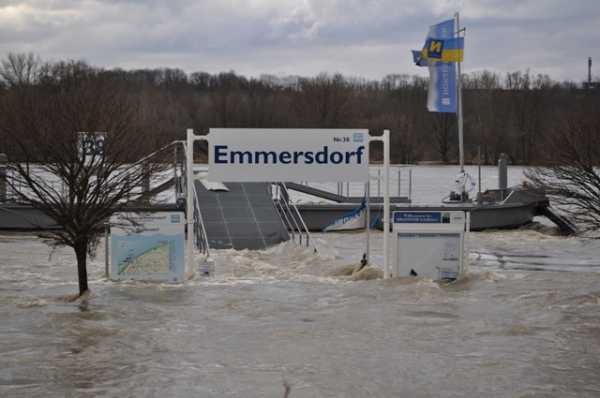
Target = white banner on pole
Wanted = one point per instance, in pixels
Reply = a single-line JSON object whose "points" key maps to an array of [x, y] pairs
{"points": [[90, 146], [273, 155]]}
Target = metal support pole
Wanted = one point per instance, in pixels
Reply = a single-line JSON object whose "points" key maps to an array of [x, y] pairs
{"points": [[175, 165], [106, 249], [189, 202], [410, 185], [459, 102], [479, 173], [399, 182], [368, 221], [3, 183], [379, 182], [386, 202]]}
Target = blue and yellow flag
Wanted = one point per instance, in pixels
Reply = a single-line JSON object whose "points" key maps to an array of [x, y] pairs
{"points": [[443, 50], [418, 58]]}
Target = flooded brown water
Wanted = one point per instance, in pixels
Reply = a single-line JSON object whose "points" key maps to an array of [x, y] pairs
{"points": [[524, 322]]}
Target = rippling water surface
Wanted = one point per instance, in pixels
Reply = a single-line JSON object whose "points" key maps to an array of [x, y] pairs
{"points": [[523, 322]]}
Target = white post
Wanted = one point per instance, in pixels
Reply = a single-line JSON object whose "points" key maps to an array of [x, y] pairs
{"points": [[189, 200], [386, 201], [385, 139]]}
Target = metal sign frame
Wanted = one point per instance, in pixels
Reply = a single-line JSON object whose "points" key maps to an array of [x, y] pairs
{"points": [[384, 138]]}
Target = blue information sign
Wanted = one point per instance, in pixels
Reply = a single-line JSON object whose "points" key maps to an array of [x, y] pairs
{"points": [[417, 217]]}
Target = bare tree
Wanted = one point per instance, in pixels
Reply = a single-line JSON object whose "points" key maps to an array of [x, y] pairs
{"points": [[42, 121], [443, 125], [19, 69], [572, 176]]}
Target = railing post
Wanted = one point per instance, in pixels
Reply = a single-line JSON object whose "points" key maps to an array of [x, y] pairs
{"points": [[287, 221], [297, 217], [3, 184], [410, 185], [106, 249], [146, 181]]}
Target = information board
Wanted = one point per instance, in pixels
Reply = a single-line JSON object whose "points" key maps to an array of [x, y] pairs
{"points": [[428, 244], [431, 255], [147, 246]]}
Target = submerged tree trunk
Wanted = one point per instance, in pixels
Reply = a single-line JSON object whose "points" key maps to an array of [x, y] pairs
{"points": [[81, 254]]}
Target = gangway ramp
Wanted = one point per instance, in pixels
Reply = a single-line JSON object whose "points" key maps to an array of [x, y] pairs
{"points": [[565, 226], [244, 217]]}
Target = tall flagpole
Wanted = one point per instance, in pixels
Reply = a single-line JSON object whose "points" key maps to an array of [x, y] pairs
{"points": [[459, 114]]}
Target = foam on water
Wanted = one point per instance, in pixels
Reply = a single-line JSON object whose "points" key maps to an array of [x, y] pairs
{"points": [[285, 261]]}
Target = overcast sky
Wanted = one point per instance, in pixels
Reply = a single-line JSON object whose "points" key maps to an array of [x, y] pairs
{"points": [[369, 38]]}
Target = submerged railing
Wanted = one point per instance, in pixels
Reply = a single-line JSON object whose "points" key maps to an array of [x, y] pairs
{"points": [[291, 217]]}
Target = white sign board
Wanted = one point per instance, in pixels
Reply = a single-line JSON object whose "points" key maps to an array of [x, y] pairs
{"points": [[428, 244], [275, 155], [91, 145], [147, 246]]}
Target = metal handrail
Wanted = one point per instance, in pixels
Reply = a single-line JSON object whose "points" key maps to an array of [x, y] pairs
{"points": [[296, 217], [204, 247], [305, 228], [281, 212], [202, 237], [287, 206]]}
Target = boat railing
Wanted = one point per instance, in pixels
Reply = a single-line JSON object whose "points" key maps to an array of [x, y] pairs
{"points": [[403, 184], [508, 199]]}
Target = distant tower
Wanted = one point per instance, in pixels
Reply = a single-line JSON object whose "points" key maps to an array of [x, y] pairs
{"points": [[590, 84]]}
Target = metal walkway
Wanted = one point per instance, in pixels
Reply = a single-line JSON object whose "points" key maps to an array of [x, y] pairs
{"points": [[244, 217]]}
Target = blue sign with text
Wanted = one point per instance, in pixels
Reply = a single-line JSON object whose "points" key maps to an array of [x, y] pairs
{"points": [[413, 217]]}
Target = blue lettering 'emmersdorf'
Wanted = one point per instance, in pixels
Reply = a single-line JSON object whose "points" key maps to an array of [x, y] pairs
{"points": [[222, 155]]}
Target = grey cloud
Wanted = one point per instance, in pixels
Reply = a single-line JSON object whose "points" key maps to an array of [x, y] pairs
{"points": [[359, 37]]}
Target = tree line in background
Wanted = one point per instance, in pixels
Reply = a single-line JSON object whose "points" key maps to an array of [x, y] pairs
{"points": [[519, 114]]}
